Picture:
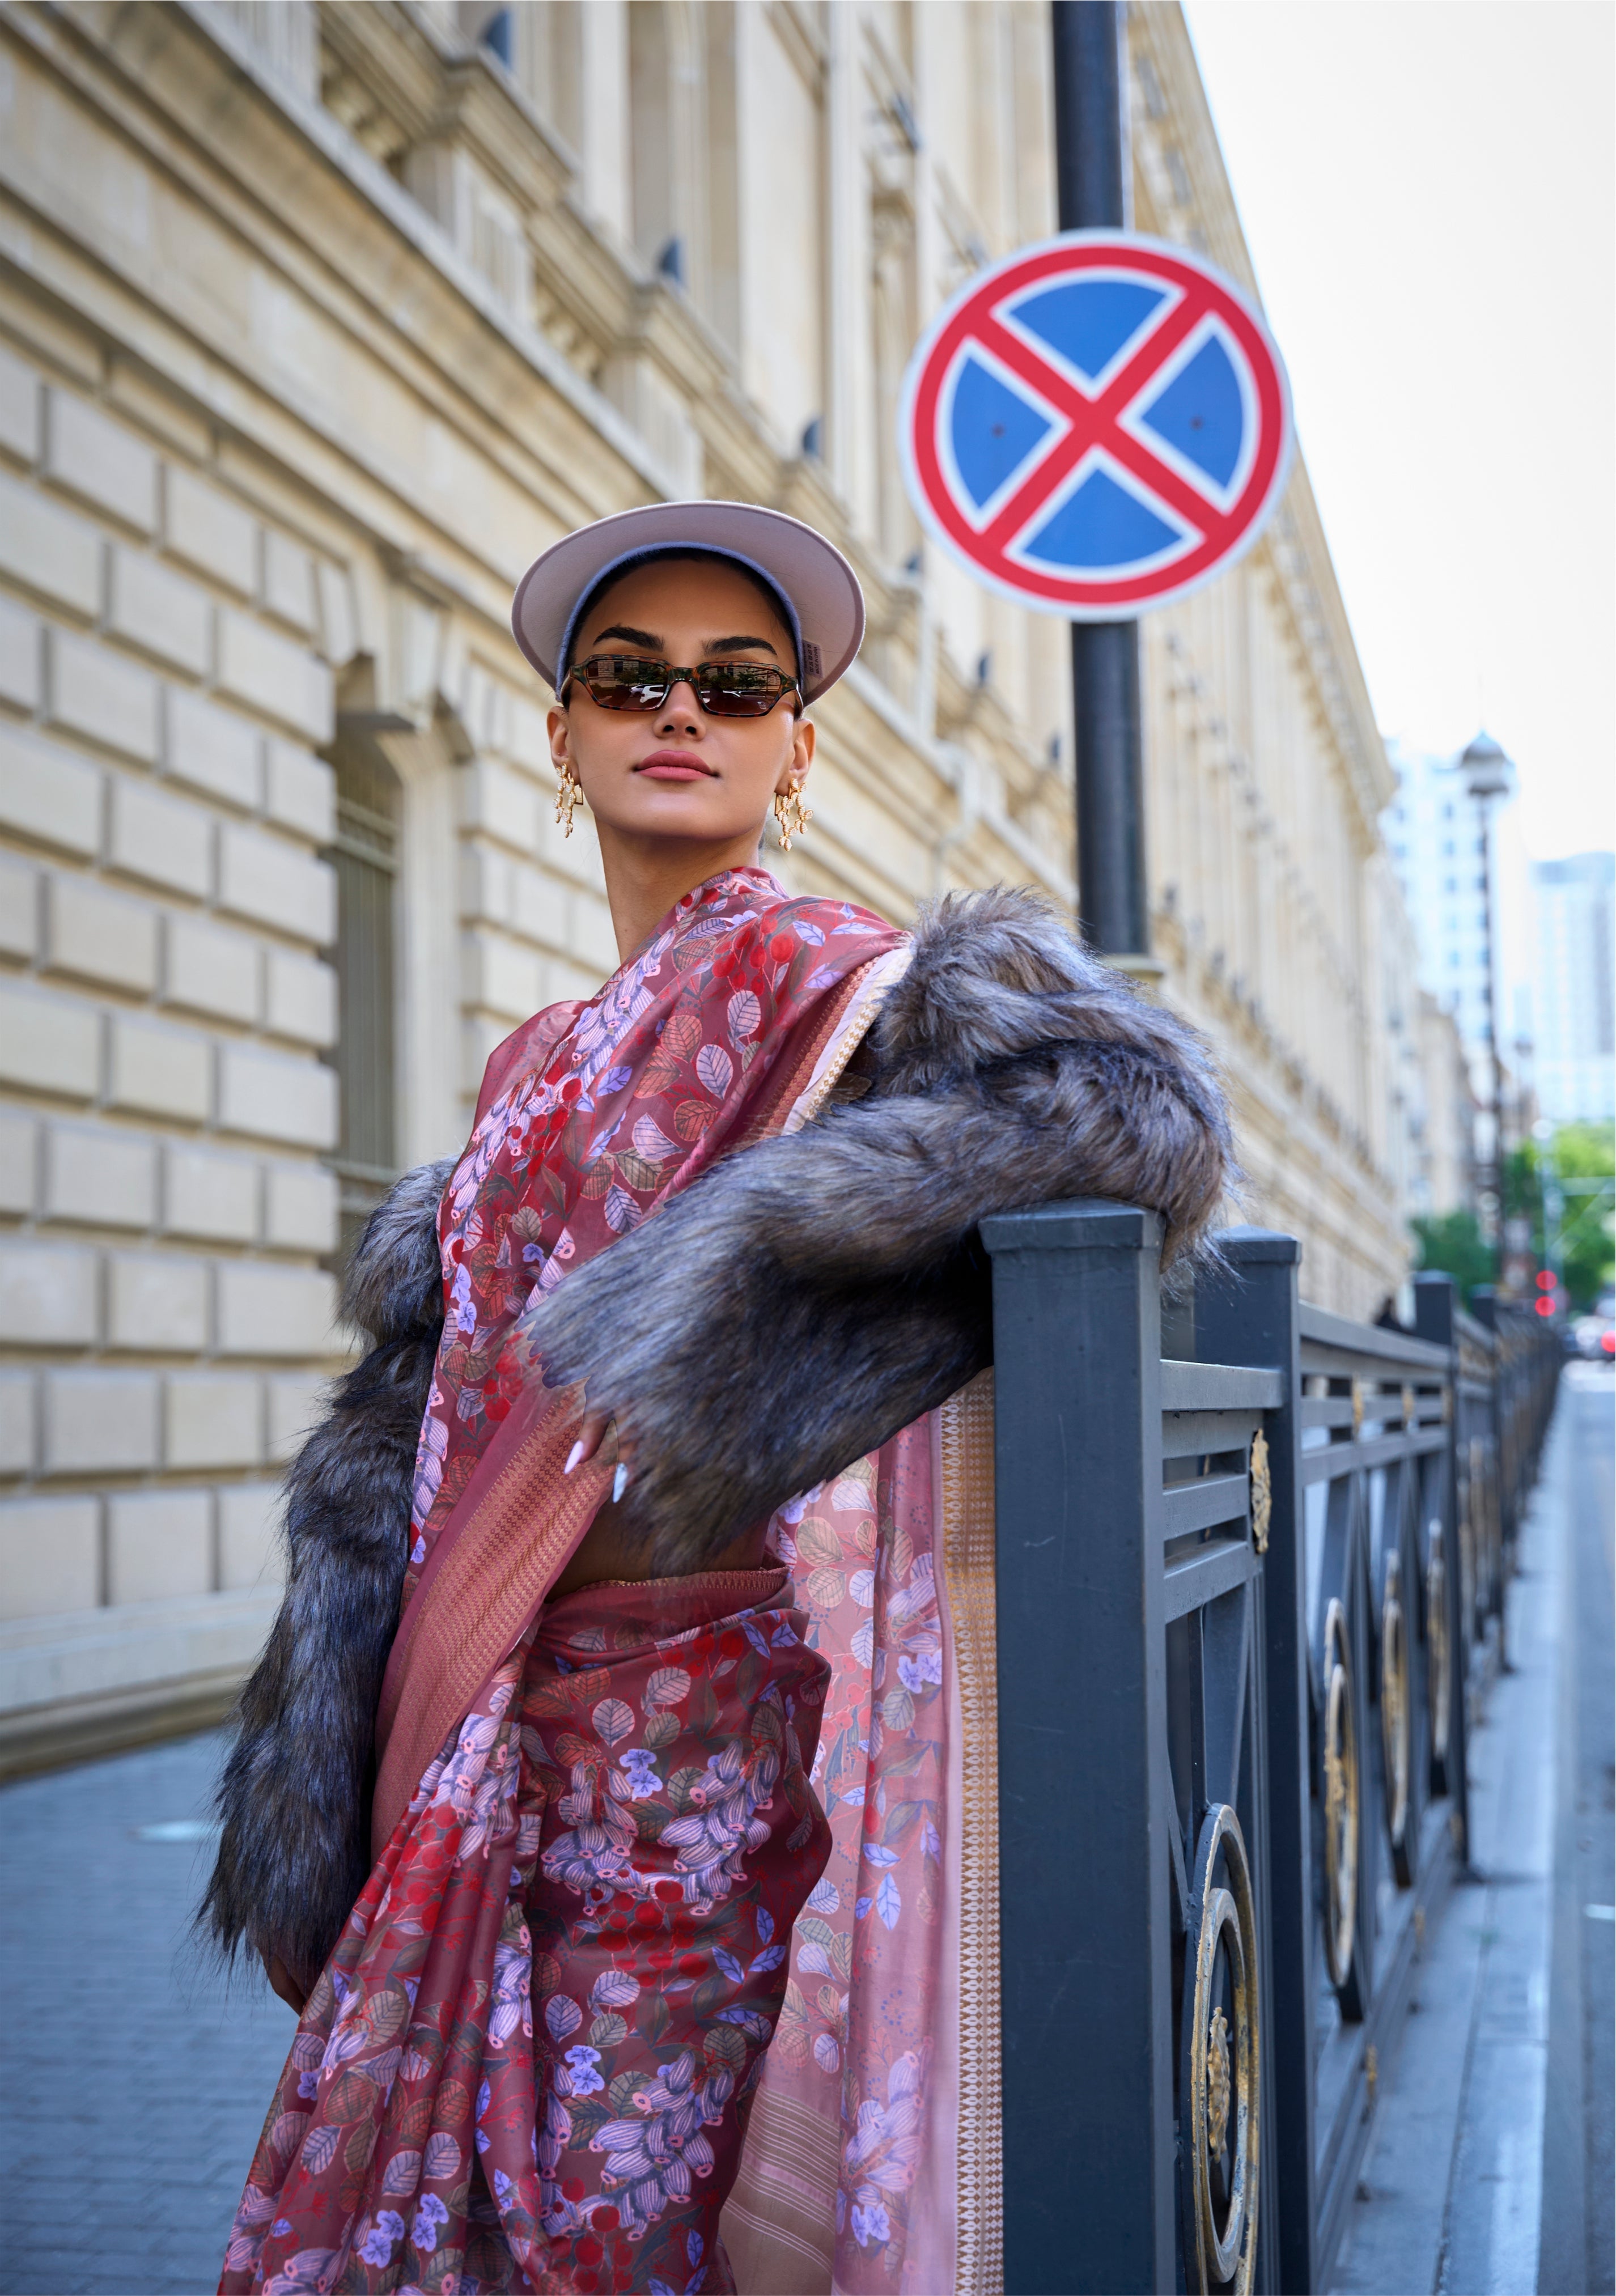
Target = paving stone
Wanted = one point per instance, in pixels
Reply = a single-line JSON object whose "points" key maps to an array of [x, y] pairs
{"points": [[132, 2095]]}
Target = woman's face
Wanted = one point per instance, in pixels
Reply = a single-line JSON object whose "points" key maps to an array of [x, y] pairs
{"points": [[674, 771]]}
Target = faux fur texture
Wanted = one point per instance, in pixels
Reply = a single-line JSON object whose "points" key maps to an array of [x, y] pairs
{"points": [[803, 1301], [294, 1799], [786, 1314]]}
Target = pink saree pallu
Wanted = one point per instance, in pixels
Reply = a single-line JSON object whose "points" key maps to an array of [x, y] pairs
{"points": [[683, 1892]]}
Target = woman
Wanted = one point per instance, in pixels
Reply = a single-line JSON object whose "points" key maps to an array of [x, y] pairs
{"points": [[614, 1800]]}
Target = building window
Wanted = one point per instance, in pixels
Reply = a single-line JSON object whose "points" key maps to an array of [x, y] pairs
{"points": [[364, 855]]}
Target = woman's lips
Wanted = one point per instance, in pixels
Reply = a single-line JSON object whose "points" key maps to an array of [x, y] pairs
{"points": [[673, 766]]}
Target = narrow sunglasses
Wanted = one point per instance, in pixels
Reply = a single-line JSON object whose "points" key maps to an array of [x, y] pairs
{"points": [[724, 689]]}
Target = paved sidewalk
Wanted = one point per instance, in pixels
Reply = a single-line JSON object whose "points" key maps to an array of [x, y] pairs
{"points": [[133, 2084], [1488, 2168]]}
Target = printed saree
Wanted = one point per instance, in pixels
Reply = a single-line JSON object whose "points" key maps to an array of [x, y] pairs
{"points": [[603, 1972]]}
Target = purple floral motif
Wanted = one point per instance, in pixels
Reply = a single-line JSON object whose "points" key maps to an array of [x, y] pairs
{"points": [[379, 2243], [653, 2155], [429, 2215], [879, 2159]]}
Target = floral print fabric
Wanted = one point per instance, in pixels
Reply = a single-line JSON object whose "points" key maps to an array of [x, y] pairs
{"points": [[632, 1831], [579, 1136]]}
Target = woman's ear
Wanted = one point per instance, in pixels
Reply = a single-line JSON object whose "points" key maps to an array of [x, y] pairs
{"points": [[561, 736], [801, 757]]}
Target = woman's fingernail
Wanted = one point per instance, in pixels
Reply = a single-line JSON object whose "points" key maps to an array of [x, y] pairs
{"points": [[573, 1456], [619, 1483]]}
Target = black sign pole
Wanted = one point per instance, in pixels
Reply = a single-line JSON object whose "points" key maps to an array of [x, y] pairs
{"points": [[1091, 162]]}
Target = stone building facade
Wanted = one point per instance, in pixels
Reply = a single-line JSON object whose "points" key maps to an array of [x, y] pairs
{"points": [[318, 318]]}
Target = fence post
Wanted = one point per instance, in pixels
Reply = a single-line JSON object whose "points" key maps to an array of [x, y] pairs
{"points": [[1085, 1793], [1435, 1312], [1252, 1319]]}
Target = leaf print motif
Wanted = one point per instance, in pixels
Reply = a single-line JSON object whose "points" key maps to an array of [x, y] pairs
{"points": [[818, 1543], [614, 1719], [691, 1120], [827, 2056], [888, 1904], [715, 1068], [631, 1166], [744, 1014], [621, 1212], [825, 1589], [652, 1142], [805, 930], [608, 2031], [669, 1685], [562, 2015], [442, 2156], [402, 2176], [319, 2149], [614, 1989]]}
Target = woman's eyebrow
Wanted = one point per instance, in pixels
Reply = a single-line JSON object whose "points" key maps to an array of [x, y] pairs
{"points": [[633, 637], [721, 645]]}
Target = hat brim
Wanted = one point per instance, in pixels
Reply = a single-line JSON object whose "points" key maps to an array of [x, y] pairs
{"points": [[810, 572]]}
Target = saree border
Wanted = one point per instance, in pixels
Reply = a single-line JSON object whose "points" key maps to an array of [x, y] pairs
{"points": [[966, 1432]]}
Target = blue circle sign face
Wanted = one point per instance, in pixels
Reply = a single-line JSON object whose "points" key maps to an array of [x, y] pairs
{"points": [[1098, 424]]}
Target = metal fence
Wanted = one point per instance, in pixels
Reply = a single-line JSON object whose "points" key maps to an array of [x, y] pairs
{"points": [[1247, 1596]]}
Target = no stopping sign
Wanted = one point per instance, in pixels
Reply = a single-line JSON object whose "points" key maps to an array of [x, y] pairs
{"points": [[1097, 425]]}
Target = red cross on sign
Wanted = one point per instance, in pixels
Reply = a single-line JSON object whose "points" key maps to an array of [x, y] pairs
{"points": [[1097, 425]]}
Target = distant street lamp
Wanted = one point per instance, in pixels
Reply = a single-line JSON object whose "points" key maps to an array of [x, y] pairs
{"points": [[1489, 775]]}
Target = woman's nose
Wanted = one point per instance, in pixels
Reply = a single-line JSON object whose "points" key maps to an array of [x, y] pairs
{"points": [[681, 713]]}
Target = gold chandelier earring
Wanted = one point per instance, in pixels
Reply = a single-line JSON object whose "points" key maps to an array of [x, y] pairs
{"points": [[567, 797], [792, 816]]}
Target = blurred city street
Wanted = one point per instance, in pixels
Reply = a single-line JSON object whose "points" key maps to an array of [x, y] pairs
{"points": [[1490, 2167], [135, 2082]]}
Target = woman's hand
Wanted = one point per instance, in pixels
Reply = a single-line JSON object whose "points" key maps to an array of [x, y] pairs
{"points": [[591, 1435]]}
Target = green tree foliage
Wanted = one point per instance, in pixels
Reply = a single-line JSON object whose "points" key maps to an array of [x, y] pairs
{"points": [[1454, 1245], [1581, 1156]]}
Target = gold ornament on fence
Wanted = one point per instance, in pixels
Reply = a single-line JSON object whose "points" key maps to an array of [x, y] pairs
{"points": [[1221, 2057], [1262, 1492], [1341, 1801], [567, 798], [791, 814]]}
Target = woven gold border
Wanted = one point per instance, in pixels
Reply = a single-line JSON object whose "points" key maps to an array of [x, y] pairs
{"points": [[968, 1562]]}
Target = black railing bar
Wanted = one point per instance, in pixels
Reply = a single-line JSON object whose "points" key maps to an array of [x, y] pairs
{"points": [[1219, 1387], [1474, 1334], [1199, 1434], [1339, 1411], [1325, 1462], [1213, 1571], [1320, 1361], [1204, 1503], [1364, 1342]]}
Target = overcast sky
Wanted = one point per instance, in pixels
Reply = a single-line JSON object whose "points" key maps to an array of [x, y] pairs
{"points": [[1428, 193]]}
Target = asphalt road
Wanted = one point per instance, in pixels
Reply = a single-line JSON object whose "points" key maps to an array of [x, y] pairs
{"points": [[1578, 2165]]}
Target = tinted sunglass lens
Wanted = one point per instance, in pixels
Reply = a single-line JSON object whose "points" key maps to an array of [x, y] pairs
{"points": [[625, 683], [740, 690]]}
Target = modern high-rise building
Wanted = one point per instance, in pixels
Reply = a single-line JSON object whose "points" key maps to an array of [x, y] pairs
{"points": [[1573, 996]]}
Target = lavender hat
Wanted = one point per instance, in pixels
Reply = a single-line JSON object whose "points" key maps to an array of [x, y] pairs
{"points": [[816, 586]]}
